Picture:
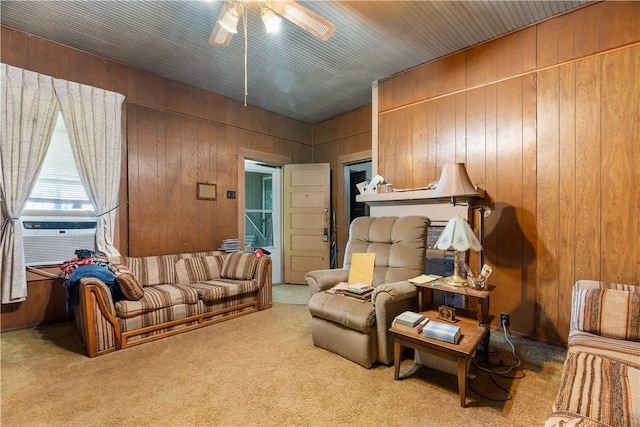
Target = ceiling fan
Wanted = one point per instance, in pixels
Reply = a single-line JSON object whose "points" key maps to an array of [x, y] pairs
{"points": [[271, 11]]}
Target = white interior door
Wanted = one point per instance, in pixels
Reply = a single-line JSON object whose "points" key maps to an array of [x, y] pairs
{"points": [[307, 213], [263, 212]]}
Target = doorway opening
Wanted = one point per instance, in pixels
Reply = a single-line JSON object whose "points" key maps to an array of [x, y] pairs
{"points": [[355, 174], [263, 211]]}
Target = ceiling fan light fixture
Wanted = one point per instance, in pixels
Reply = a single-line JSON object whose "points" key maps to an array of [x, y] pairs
{"points": [[271, 20], [230, 21]]}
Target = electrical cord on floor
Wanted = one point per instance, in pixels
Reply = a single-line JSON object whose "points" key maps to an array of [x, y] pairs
{"points": [[489, 369], [484, 396], [509, 367]]}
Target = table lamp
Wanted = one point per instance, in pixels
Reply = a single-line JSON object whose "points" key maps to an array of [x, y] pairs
{"points": [[459, 237], [455, 182]]}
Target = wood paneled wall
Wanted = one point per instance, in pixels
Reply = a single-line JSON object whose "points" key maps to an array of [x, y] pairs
{"points": [[179, 135], [46, 304], [175, 136], [340, 141], [168, 153], [546, 120]]}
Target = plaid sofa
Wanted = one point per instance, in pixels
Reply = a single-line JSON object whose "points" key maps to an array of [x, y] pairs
{"points": [[168, 294], [601, 375]]}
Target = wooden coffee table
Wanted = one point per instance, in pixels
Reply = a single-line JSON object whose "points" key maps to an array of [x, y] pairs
{"points": [[462, 353]]}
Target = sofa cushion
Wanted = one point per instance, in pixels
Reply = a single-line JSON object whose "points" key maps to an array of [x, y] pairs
{"points": [[129, 285], [213, 290], [200, 254], [151, 270], [609, 313], [198, 269], [155, 298], [239, 265]]}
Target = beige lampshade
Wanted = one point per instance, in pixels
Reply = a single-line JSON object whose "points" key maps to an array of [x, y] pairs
{"points": [[454, 182], [457, 236]]}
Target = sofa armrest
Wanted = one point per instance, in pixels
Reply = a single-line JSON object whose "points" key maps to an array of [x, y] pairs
{"points": [[96, 318], [321, 280], [389, 300], [264, 277]]}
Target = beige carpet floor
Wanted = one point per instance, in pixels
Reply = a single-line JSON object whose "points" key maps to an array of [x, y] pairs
{"points": [[291, 294], [260, 369]]}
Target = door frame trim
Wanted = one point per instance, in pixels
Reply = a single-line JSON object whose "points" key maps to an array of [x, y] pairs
{"points": [[342, 161], [243, 154]]}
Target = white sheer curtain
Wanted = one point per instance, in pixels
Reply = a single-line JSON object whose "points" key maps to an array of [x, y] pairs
{"points": [[28, 111], [92, 117]]}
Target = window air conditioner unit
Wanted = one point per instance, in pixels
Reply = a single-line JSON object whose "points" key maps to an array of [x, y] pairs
{"points": [[54, 239]]}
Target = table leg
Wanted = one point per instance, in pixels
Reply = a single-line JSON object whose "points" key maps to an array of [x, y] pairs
{"points": [[485, 345], [484, 321], [425, 299], [483, 312], [397, 353], [462, 381]]}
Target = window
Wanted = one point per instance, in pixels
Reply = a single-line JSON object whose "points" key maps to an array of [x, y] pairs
{"points": [[58, 187], [59, 218]]}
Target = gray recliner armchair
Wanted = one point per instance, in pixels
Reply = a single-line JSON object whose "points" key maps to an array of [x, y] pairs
{"points": [[359, 330]]}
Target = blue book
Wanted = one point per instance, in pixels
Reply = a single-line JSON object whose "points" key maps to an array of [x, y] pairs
{"points": [[442, 332]]}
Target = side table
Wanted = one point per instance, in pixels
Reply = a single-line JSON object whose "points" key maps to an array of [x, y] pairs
{"points": [[462, 352], [477, 302]]}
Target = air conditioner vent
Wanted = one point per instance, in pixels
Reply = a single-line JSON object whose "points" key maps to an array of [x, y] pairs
{"points": [[53, 240], [69, 224]]}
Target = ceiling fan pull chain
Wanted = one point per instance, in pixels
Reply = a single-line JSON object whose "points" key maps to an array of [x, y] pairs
{"points": [[246, 30]]}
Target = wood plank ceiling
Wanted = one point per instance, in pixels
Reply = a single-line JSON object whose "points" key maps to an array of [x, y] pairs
{"points": [[291, 73]]}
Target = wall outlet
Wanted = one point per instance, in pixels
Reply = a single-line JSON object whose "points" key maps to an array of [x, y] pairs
{"points": [[504, 319]]}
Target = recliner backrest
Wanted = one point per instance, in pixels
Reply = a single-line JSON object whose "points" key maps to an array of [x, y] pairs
{"points": [[399, 243]]}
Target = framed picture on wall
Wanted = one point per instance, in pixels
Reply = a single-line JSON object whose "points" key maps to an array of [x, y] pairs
{"points": [[205, 191]]}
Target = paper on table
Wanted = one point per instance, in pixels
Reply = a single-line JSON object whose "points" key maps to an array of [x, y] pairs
{"points": [[425, 278]]}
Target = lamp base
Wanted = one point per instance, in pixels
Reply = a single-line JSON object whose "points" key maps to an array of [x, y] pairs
{"points": [[456, 280]]}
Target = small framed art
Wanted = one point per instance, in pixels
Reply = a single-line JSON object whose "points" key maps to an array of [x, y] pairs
{"points": [[205, 191], [447, 313]]}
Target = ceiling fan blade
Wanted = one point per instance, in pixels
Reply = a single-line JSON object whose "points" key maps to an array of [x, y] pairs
{"points": [[220, 36], [303, 18]]}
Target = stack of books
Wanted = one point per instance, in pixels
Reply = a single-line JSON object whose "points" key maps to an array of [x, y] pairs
{"points": [[358, 290], [410, 321], [230, 245]]}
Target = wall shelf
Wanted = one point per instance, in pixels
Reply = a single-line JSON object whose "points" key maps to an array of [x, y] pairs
{"points": [[418, 202], [410, 197]]}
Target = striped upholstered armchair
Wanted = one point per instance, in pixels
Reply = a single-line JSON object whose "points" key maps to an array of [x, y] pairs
{"points": [[601, 376]]}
